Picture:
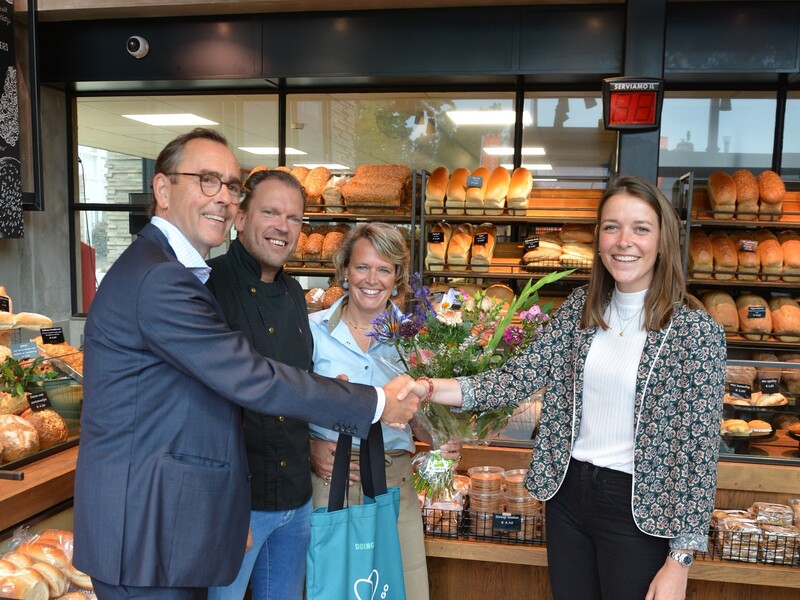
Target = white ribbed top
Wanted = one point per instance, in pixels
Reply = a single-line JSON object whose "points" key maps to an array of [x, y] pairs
{"points": [[605, 438]]}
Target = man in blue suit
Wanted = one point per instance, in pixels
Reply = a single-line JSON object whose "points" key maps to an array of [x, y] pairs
{"points": [[162, 498]]}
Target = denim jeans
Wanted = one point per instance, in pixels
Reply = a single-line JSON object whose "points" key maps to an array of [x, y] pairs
{"points": [[275, 566], [595, 551]]}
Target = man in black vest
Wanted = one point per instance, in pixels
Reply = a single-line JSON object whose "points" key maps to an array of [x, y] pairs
{"points": [[268, 306]]}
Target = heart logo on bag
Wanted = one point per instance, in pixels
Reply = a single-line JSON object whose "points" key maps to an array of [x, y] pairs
{"points": [[370, 586]]}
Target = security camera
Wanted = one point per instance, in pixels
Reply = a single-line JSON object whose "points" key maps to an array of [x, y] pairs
{"points": [[137, 46]]}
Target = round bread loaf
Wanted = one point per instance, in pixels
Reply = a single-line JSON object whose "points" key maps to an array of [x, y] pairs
{"points": [[18, 438], [331, 295], [722, 308], [50, 426], [785, 319], [12, 405], [755, 317]]}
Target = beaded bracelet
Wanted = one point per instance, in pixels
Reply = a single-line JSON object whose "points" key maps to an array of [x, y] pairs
{"points": [[429, 396]]}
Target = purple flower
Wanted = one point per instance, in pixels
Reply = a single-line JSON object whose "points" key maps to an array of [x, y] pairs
{"points": [[513, 335], [409, 328], [387, 325]]}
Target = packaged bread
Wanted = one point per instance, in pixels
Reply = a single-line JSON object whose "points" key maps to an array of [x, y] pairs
{"points": [[722, 308], [779, 544], [312, 251], [726, 260], [746, 195], [738, 539], [741, 375], [547, 249], [748, 264], [770, 256], [755, 317], [331, 295], [314, 298], [438, 239], [54, 578], [18, 438], [330, 244], [436, 191], [518, 191], [49, 425], [315, 182], [701, 254], [483, 242], [785, 319], [24, 584], [458, 250], [456, 198], [790, 245], [300, 173], [332, 194], [572, 232], [722, 195], [770, 513], [477, 182], [771, 191], [576, 254], [494, 200]]}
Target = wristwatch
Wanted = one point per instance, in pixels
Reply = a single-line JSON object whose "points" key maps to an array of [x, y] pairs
{"points": [[683, 558]]}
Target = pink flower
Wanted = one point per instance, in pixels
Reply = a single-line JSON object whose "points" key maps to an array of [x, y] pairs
{"points": [[424, 355]]}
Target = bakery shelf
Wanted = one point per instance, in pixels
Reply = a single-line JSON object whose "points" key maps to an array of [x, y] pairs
{"points": [[737, 341], [740, 284], [310, 270], [349, 217]]}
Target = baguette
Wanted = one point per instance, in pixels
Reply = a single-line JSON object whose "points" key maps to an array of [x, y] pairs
{"points": [[456, 192], [436, 256], [436, 190], [722, 194], [746, 195], [518, 191], [726, 260], [483, 243], [701, 254], [476, 193], [458, 250], [771, 191], [494, 200]]}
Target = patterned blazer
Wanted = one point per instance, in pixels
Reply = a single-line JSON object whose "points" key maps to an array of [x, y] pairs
{"points": [[679, 389]]}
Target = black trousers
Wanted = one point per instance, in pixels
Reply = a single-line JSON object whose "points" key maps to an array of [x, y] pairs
{"points": [[105, 591], [594, 549]]}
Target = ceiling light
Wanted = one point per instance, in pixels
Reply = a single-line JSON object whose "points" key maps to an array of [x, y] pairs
{"points": [[508, 151], [487, 117], [331, 166], [531, 166], [270, 150], [174, 120]]}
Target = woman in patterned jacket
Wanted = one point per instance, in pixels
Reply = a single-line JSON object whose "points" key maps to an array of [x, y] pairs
{"points": [[633, 371]]}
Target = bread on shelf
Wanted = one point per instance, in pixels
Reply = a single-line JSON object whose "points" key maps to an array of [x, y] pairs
{"points": [[701, 255], [748, 263], [722, 308], [771, 191], [790, 244], [436, 191], [755, 317], [518, 191], [458, 250], [726, 260], [483, 243], [477, 183], [722, 195], [456, 192], [746, 195], [494, 200], [785, 319], [438, 240]]}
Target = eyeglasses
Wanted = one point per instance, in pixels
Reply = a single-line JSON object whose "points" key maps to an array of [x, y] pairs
{"points": [[211, 184]]}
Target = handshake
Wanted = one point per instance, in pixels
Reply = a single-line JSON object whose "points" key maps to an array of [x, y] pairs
{"points": [[404, 395]]}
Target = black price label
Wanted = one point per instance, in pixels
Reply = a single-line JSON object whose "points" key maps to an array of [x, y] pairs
{"points": [[52, 335], [769, 385], [748, 245], [24, 350], [474, 181], [436, 237], [756, 312], [481, 239], [531, 243], [507, 522], [740, 390], [5, 304], [38, 401]]}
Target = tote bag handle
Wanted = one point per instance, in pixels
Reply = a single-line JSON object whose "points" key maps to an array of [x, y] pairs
{"points": [[372, 467]]}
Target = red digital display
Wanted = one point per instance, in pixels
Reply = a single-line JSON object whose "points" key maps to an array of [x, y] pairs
{"points": [[632, 108]]}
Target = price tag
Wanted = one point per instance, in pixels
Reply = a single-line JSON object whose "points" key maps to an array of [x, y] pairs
{"points": [[435, 237], [38, 401], [748, 245], [24, 350], [531, 243], [740, 390], [5, 304], [474, 181], [756, 312], [769, 385], [52, 335], [480, 239], [507, 522]]}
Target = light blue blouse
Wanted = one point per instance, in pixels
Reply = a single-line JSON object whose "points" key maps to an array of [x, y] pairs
{"points": [[337, 352]]}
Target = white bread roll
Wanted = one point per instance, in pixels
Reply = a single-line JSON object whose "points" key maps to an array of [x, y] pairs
{"points": [[755, 317], [722, 308], [722, 194], [18, 559], [746, 195], [7, 568], [25, 584], [518, 191], [482, 252], [436, 256], [790, 244], [46, 553], [701, 254], [726, 260], [475, 194], [458, 250], [456, 192], [56, 580], [785, 319], [436, 191], [494, 201], [771, 191]]}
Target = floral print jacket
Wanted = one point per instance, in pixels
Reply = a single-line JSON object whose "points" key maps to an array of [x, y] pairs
{"points": [[679, 389]]}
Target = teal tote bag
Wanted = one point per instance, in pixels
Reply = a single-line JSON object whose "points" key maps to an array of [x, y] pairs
{"points": [[354, 552]]}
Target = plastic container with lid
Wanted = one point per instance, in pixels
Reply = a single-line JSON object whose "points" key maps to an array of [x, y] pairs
{"points": [[514, 482], [486, 479]]}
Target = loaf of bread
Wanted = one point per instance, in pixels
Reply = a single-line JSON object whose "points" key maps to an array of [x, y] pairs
{"points": [[300, 173], [483, 243], [399, 171], [49, 425], [456, 192], [518, 191], [548, 250], [494, 200], [18, 438], [12, 405], [296, 258], [436, 256], [458, 250], [726, 260], [312, 251], [785, 319], [755, 317], [18, 559], [576, 254], [722, 195], [501, 292], [722, 308], [331, 295], [332, 194], [476, 193], [24, 320], [577, 233], [771, 191], [791, 376], [770, 255], [436, 191], [24, 584], [46, 553], [746, 195], [749, 265], [767, 372], [701, 254], [790, 245], [330, 244], [315, 183], [364, 194]]}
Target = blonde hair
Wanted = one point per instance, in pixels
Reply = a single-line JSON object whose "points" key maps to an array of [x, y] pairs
{"points": [[389, 243]]}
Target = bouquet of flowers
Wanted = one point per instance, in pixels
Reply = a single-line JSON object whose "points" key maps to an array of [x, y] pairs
{"points": [[462, 335]]}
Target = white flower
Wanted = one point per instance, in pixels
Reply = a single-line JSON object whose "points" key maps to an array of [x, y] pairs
{"points": [[449, 317]]}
